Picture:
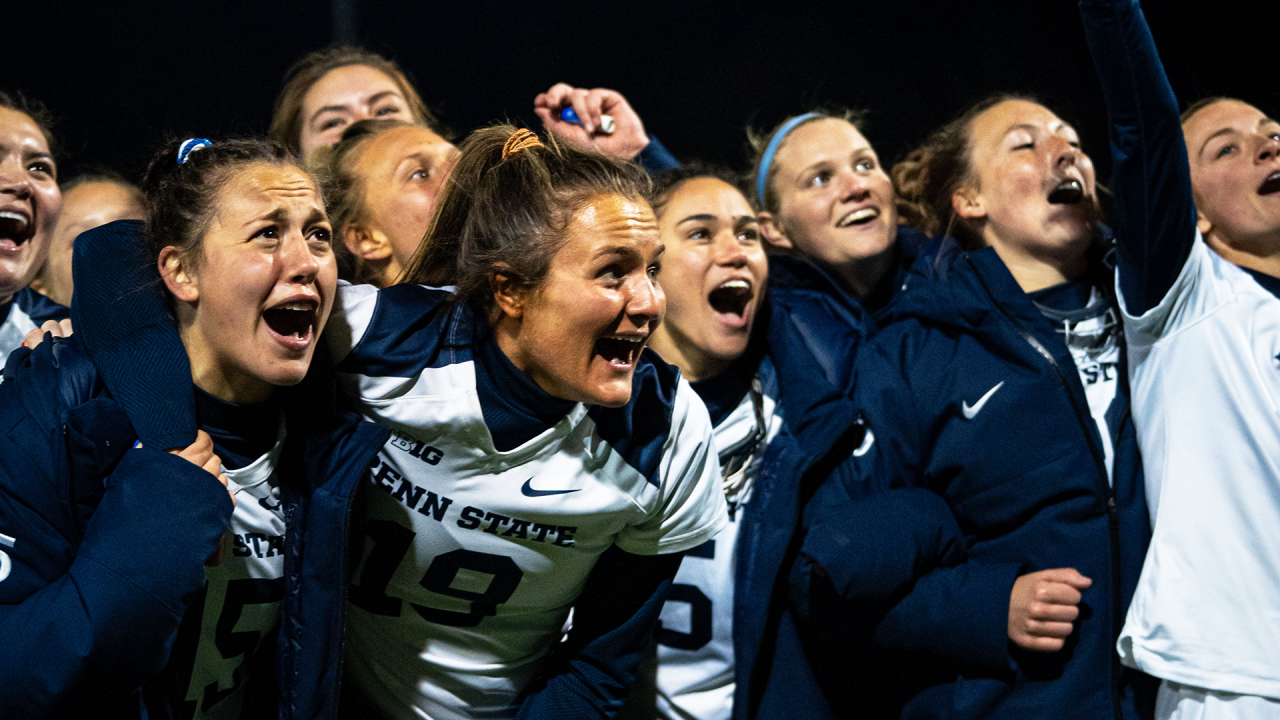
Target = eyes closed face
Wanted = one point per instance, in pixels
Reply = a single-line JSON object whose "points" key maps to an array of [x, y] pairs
{"points": [[263, 287], [1035, 191], [30, 201], [835, 200], [1235, 169], [713, 274], [583, 329], [404, 170], [346, 95]]}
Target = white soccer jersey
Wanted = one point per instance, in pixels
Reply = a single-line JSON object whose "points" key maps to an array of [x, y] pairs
{"points": [[242, 593], [1205, 373], [695, 639], [473, 557]]}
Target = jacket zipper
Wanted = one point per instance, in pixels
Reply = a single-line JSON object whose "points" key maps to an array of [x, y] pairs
{"points": [[1113, 517]]}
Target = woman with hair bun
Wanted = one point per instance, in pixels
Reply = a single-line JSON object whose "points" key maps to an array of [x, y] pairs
{"points": [[541, 458], [328, 90], [107, 602], [999, 385]]}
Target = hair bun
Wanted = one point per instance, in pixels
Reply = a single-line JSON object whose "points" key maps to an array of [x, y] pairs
{"points": [[520, 140]]}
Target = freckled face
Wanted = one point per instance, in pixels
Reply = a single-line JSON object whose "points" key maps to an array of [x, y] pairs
{"points": [[582, 330], [1234, 149], [403, 171], [713, 274], [263, 287], [1035, 189], [346, 95], [835, 201], [30, 201]]}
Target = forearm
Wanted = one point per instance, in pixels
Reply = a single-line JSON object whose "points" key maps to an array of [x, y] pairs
{"points": [[593, 671], [1151, 179]]}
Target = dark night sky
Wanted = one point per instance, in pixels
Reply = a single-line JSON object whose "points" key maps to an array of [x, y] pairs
{"points": [[120, 79]]}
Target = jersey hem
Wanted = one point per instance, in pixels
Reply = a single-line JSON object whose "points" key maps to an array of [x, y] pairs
{"points": [[1153, 664]]}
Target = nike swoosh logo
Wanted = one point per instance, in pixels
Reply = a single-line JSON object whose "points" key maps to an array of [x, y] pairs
{"points": [[527, 490], [971, 411]]}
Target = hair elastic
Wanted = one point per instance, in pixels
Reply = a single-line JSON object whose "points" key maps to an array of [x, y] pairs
{"points": [[189, 146], [519, 140], [762, 172]]}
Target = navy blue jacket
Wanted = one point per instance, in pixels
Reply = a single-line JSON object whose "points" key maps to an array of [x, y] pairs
{"points": [[1026, 480], [783, 667], [101, 544]]}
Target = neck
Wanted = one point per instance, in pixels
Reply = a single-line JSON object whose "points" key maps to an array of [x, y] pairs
{"points": [[1261, 254], [1037, 272], [862, 276], [677, 349], [212, 375]]}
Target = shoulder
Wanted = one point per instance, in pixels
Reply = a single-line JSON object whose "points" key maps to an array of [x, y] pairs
{"points": [[39, 308], [641, 430], [397, 331]]}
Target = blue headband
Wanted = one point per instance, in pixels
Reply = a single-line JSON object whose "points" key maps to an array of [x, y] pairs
{"points": [[762, 173], [189, 146]]}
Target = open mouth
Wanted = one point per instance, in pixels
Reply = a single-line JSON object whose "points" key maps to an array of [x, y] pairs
{"points": [[1271, 184], [15, 229], [621, 351], [1067, 192], [731, 297], [293, 321], [861, 216]]}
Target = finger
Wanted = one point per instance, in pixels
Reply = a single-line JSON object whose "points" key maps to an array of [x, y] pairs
{"points": [[556, 95], [1053, 612], [66, 327], [52, 326], [1039, 644], [578, 99], [540, 101], [1056, 593], [33, 338], [1049, 629], [545, 114], [595, 104], [1069, 576], [213, 466]]}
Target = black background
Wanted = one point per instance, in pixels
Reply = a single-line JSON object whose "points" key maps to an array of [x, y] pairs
{"points": [[121, 77]]}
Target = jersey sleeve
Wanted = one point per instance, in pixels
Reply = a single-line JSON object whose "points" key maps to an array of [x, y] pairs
{"points": [[1151, 178], [690, 507], [1204, 284], [350, 319]]}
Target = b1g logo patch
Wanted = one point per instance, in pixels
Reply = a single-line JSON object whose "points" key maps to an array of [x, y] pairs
{"points": [[422, 451]]}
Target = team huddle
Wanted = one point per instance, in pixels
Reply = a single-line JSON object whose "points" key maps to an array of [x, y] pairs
{"points": [[352, 422]]}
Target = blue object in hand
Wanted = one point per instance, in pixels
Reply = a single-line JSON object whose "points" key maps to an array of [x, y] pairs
{"points": [[568, 115]]}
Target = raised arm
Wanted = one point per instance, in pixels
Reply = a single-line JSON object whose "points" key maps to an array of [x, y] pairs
{"points": [[627, 140], [1156, 217]]}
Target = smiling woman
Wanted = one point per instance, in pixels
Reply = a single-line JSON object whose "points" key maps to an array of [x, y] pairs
{"points": [[30, 203]]}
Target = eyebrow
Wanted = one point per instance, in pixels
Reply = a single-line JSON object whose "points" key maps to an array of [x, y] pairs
{"points": [[1223, 131], [704, 217], [1022, 126]]}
